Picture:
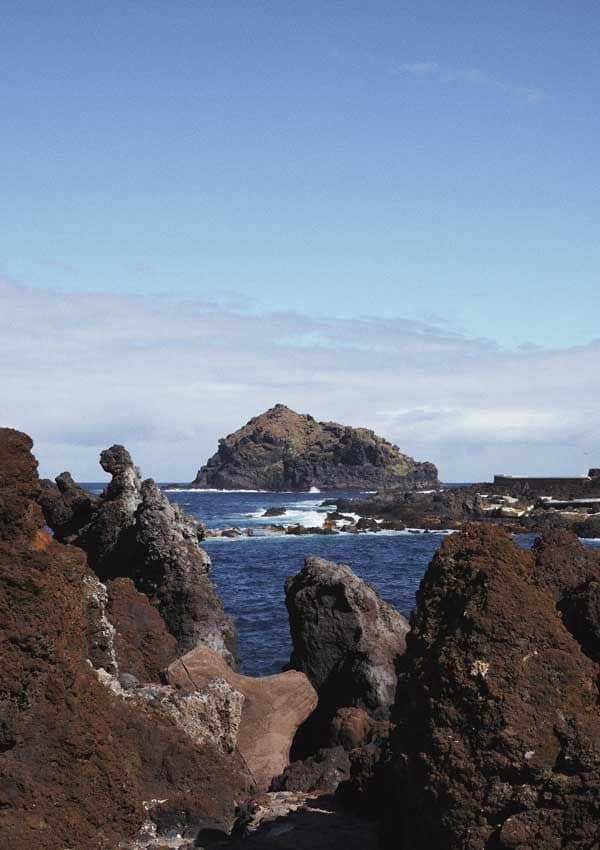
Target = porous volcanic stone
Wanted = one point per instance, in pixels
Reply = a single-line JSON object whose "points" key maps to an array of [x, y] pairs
{"points": [[77, 763], [498, 737]]}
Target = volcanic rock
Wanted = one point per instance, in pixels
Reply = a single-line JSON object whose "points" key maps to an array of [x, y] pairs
{"points": [[66, 506], [439, 509], [143, 646], [274, 707], [284, 450], [322, 772], [134, 531], [275, 512], [354, 727], [498, 738], [77, 762], [347, 640]]}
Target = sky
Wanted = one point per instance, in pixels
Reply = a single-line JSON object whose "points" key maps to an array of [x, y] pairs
{"points": [[384, 214]]}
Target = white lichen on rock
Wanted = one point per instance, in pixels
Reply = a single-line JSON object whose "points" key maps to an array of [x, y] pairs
{"points": [[100, 631], [211, 715], [480, 668]]}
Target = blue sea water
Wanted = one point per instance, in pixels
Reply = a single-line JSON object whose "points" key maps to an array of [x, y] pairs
{"points": [[250, 572]]}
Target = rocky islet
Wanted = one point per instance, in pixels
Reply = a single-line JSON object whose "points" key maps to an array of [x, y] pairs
{"points": [[285, 450]]}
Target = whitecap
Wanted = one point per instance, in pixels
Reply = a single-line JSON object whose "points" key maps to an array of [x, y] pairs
{"points": [[207, 490]]}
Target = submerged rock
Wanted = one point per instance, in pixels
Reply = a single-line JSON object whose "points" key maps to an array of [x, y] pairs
{"points": [[133, 531], [275, 512], [498, 739], [284, 450]]}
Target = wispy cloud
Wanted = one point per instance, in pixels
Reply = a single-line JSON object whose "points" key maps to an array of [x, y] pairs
{"points": [[167, 378], [420, 68], [475, 76]]}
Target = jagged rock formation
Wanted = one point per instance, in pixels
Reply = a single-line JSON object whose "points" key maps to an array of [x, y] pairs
{"points": [[284, 450], [81, 757], [133, 531], [273, 709], [347, 640], [498, 738]]}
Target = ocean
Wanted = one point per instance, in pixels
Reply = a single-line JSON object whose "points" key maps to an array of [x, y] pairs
{"points": [[250, 572]]}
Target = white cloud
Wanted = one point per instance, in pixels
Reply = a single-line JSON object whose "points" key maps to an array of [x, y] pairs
{"points": [[167, 378], [477, 76]]}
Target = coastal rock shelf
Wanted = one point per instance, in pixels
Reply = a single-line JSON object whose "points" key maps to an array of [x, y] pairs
{"points": [[284, 450], [521, 505]]}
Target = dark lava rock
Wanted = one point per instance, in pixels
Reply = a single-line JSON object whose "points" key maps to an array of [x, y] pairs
{"points": [[66, 505], [355, 739], [133, 531], [284, 450], [347, 640], [364, 791], [275, 512], [498, 737], [301, 530], [367, 524], [434, 510], [354, 727], [589, 528], [77, 762], [322, 772]]}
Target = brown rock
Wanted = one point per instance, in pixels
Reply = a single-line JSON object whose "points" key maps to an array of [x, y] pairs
{"points": [[143, 645], [77, 762], [351, 727], [498, 705], [274, 707], [322, 772]]}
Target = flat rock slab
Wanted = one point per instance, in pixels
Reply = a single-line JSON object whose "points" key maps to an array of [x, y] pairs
{"points": [[274, 708]]}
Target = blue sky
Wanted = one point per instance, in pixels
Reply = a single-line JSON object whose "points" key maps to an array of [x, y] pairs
{"points": [[433, 161], [384, 213]]}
